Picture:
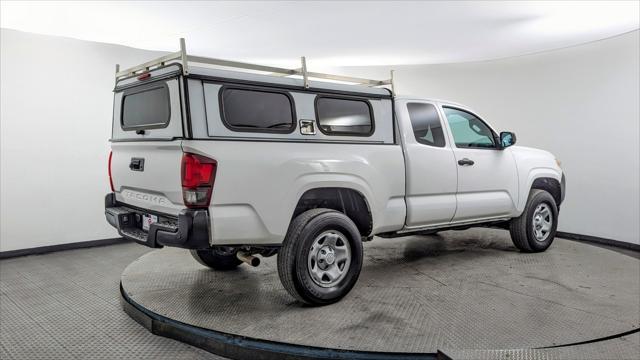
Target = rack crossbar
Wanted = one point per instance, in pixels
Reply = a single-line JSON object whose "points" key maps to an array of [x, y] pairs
{"points": [[149, 64], [350, 79], [241, 65]]}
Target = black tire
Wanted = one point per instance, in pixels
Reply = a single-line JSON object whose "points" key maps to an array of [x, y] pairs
{"points": [[522, 228], [217, 259], [293, 257]]}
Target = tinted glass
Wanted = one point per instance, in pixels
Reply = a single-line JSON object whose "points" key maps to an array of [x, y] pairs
{"points": [[251, 110], [468, 130], [342, 116], [426, 124], [146, 109]]}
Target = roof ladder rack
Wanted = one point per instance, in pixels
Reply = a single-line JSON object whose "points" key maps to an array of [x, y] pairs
{"points": [[184, 59]]}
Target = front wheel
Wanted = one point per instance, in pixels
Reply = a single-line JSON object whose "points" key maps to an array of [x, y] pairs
{"points": [[535, 229], [321, 257]]}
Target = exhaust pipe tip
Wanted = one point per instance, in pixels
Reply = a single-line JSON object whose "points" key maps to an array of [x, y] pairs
{"points": [[249, 259]]}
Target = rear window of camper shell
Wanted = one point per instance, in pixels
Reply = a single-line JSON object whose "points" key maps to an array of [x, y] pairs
{"points": [[146, 108]]}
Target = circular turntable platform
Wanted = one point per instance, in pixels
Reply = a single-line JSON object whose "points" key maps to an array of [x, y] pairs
{"points": [[415, 296]]}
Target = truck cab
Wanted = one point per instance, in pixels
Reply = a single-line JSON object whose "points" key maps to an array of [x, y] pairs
{"points": [[457, 160], [233, 166]]}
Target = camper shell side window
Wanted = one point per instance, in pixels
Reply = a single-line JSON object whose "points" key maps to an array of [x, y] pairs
{"points": [[344, 116], [248, 109]]}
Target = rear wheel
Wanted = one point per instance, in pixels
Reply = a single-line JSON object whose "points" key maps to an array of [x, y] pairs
{"points": [[321, 257], [535, 229], [218, 258]]}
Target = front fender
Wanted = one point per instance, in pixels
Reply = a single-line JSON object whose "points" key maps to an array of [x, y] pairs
{"points": [[531, 176]]}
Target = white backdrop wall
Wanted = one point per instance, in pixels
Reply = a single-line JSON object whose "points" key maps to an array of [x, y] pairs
{"points": [[55, 122], [55, 113], [581, 103]]}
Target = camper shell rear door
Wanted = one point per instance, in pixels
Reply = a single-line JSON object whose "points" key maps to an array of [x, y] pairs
{"points": [[147, 132]]}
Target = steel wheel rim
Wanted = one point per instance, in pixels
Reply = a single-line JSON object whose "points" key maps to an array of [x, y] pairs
{"points": [[329, 258], [542, 222]]}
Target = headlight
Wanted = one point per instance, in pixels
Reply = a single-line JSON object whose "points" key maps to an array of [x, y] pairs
{"points": [[559, 163]]}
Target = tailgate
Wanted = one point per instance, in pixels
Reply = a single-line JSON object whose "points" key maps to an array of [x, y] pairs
{"points": [[147, 175]]}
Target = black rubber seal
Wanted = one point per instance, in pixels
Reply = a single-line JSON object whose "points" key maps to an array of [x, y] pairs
{"points": [[41, 250], [240, 347], [605, 338], [598, 240]]}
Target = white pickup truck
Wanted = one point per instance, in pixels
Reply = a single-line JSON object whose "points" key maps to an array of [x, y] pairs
{"points": [[231, 165]]}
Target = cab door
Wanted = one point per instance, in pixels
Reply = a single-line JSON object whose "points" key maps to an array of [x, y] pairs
{"points": [[487, 174], [431, 173]]}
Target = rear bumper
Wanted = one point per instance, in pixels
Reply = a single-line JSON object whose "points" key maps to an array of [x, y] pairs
{"points": [[190, 230]]}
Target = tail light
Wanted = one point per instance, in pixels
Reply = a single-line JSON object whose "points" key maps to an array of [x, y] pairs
{"points": [[111, 178], [198, 175]]}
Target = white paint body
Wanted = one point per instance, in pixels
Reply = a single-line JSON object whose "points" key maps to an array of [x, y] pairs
{"points": [[261, 177]]}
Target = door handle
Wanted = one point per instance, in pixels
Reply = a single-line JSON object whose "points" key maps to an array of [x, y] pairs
{"points": [[137, 164], [465, 161]]}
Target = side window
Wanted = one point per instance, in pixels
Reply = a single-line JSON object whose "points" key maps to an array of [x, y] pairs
{"points": [[257, 110], [426, 124], [344, 116], [468, 130]]}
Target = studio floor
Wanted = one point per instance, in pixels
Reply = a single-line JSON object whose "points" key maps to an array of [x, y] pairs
{"points": [[68, 304]]}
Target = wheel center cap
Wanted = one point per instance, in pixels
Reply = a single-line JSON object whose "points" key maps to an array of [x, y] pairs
{"points": [[330, 258], [326, 257]]}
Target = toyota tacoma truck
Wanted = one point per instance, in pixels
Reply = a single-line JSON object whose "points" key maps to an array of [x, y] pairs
{"points": [[236, 164]]}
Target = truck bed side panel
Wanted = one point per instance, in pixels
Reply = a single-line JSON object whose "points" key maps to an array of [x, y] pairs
{"points": [[259, 183]]}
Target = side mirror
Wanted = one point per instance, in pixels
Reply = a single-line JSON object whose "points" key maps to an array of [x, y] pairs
{"points": [[507, 139]]}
